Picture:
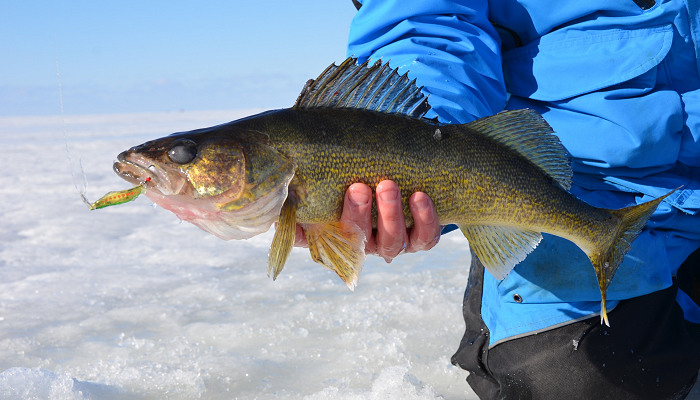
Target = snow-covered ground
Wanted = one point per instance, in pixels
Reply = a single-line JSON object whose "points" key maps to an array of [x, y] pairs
{"points": [[126, 302]]}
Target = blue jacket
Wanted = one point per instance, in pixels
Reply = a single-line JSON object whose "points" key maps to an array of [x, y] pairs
{"points": [[621, 87]]}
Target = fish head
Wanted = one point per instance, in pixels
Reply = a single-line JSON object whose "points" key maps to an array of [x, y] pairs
{"points": [[231, 184]]}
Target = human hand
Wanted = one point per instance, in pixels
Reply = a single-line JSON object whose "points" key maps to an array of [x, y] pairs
{"points": [[392, 237]]}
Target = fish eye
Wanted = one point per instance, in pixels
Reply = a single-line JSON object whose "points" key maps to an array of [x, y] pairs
{"points": [[183, 151]]}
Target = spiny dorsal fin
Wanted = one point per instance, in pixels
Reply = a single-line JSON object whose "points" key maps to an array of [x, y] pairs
{"points": [[526, 132], [500, 248], [376, 87]]}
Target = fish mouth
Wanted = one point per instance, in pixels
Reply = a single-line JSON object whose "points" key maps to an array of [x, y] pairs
{"points": [[131, 170], [139, 170]]}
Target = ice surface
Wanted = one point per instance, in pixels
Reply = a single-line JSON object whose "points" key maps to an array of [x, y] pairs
{"points": [[126, 302]]}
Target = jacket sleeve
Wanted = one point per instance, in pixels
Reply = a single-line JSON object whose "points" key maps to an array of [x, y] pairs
{"points": [[448, 46]]}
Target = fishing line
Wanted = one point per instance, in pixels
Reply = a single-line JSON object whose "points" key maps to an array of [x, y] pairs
{"points": [[64, 127]]}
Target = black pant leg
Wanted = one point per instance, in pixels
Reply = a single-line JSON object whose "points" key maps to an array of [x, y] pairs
{"points": [[473, 349], [650, 351]]}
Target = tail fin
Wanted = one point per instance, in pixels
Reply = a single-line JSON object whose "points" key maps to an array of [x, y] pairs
{"points": [[608, 260]]}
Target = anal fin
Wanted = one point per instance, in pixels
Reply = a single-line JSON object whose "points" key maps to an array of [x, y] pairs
{"points": [[283, 241], [338, 246], [500, 248]]}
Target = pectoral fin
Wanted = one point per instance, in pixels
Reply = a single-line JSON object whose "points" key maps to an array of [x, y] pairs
{"points": [[500, 248], [283, 241], [338, 246]]}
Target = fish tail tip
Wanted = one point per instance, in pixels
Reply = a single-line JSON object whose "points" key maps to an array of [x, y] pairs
{"points": [[606, 260], [604, 315]]}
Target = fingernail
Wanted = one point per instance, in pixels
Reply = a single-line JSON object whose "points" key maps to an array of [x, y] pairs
{"points": [[358, 198], [388, 195], [422, 203]]}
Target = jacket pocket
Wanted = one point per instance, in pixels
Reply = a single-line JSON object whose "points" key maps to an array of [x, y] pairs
{"points": [[569, 63]]}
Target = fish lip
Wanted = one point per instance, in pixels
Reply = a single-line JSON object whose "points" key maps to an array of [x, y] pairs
{"points": [[130, 172], [140, 170], [137, 171]]}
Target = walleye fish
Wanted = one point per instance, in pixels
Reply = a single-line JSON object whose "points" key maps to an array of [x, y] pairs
{"points": [[502, 179]]}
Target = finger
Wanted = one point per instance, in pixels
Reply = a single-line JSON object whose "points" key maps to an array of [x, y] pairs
{"points": [[300, 237], [357, 208], [391, 223], [426, 225]]}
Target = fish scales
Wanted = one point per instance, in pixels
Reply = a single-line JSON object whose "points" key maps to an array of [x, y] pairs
{"points": [[339, 147], [503, 179]]}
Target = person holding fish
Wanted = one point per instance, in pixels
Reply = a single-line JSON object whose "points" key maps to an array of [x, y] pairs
{"points": [[555, 138], [619, 82]]}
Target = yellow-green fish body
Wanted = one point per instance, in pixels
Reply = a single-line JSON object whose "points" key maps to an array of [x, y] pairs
{"points": [[503, 179]]}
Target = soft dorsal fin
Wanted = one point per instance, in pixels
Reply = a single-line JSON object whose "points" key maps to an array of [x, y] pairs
{"points": [[376, 87], [526, 132]]}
